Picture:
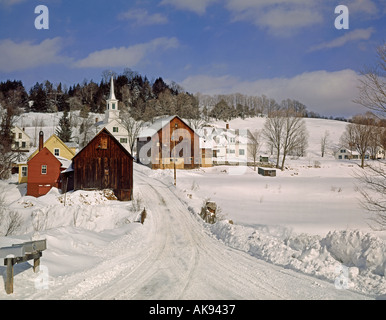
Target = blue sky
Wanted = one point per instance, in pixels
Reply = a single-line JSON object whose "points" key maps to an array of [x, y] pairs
{"points": [[280, 48]]}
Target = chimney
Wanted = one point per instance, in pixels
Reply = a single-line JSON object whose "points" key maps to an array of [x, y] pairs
{"points": [[227, 126], [96, 120], [41, 139]]}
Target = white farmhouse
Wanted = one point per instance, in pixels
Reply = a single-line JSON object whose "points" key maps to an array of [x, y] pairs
{"points": [[228, 145], [347, 154], [22, 141]]}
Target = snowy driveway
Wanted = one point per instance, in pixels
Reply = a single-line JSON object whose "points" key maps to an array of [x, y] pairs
{"points": [[177, 259]]}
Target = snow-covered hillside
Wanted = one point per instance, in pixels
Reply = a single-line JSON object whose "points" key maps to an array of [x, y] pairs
{"points": [[300, 235]]}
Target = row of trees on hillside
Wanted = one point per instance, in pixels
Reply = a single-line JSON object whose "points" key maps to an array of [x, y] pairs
{"points": [[142, 98], [237, 105]]}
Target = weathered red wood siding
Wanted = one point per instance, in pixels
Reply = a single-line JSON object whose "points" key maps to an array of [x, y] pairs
{"points": [[39, 184], [187, 149], [104, 164]]}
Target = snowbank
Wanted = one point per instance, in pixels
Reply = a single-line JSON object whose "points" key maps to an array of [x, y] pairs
{"points": [[355, 257]]}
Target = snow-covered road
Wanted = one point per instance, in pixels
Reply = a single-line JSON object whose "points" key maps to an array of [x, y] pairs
{"points": [[174, 257]]}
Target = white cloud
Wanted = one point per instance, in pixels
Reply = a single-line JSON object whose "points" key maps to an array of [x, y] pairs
{"points": [[143, 18], [125, 56], [328, 93], [279, 17], [197, 6], [356, 35], [25, 55]]}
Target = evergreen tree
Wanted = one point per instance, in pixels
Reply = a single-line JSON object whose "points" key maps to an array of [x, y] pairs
{"points": [[64, 131]]}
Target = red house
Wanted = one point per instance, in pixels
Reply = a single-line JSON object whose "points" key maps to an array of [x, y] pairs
{"points": [[43, 171]]}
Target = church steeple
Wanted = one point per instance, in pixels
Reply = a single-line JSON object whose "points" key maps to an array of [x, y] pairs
{"points": [[112, 94], [112, 111]]}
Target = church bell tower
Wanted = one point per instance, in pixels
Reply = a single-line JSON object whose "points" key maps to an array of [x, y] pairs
{"points": [[112, 112]]}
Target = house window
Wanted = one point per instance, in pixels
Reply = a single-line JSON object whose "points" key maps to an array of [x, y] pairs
{"points": [[23, 144], [340, 157], [44, 169], [24, 171], [233, 140], [115, 129], [56, 152], [123, 140], [20, 135], [343, 151], [241, 152]]}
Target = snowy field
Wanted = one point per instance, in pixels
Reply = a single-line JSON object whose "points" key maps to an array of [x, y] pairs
{"points": [[305, 225]]}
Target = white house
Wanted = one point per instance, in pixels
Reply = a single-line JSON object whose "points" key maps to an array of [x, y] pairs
{"points": [[22, 141], [347, 154], [228, 145], [112, 122]]}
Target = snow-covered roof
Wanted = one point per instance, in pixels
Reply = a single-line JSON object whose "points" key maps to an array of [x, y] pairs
{"points": [[65, 162], [155, 127]]}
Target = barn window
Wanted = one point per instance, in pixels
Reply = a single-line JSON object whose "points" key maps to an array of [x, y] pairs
{"points": [[57, 152], [103, 144], [44, 169]]}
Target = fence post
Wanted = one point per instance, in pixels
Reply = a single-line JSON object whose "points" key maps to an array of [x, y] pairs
{"points": [[9, 275]]}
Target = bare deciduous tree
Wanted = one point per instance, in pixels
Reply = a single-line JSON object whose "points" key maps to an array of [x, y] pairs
{"points": [[254, 145], [272, 132], [372, 91], [359, 134], [373, 189], [372, 95], [324, 141], [285, 131], [133, 128]]}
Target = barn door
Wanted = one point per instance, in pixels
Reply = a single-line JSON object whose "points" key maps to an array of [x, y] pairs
{"points": [[106, 174]]}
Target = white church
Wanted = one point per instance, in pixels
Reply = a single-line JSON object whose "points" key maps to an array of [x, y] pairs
{"points": [[112, 122]]}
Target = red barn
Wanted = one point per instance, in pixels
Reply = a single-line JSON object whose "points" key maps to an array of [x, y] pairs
{"points": [[104, 164], [167, 142]]}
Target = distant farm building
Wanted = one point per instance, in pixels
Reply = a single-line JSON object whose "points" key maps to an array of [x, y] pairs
{"points": [[267, 172], [169, 140], [347, 154], [103, 164]]}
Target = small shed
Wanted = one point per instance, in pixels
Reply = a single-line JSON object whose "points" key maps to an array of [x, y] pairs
{"points": [[104, 164], [267, 172]]}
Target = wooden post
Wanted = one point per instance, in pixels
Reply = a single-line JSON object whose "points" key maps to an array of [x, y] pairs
{"points": [[36, 265], [9, 275], [143, 215]]}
